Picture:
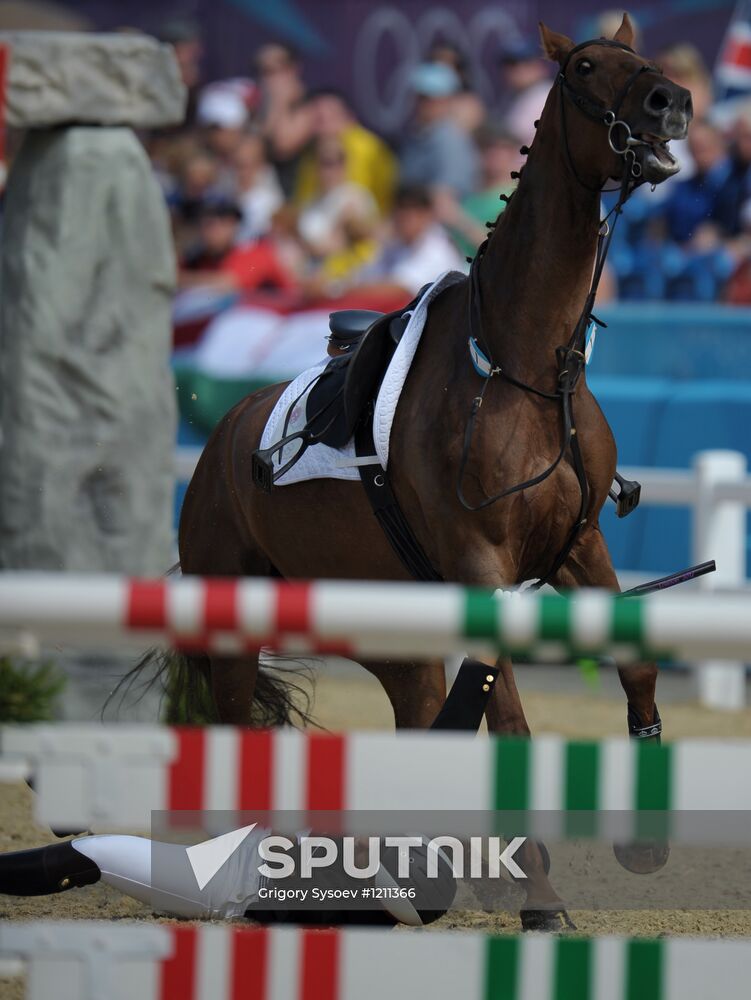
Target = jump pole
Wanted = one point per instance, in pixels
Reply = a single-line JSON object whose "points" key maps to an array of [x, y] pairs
{"points": [[372, 619]]}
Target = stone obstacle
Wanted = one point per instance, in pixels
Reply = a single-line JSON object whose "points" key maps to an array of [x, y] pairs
{"points": [[88, 961], [111, 777], [88, 274], [369, 619]]}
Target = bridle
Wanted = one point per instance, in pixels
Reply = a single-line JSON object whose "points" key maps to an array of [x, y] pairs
{"points": [[605, 116], [571, 358]]}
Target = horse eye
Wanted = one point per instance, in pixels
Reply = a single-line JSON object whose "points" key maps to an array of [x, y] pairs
{"points": [[584, 68]]}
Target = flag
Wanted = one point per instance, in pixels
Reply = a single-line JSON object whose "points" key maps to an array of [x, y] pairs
{"points": [[733, 66]]}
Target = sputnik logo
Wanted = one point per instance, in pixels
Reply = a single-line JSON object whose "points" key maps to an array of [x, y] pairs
{"points": [[207, 858]]}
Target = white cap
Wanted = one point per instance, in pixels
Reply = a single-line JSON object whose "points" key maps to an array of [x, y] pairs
{"points": [[223, 105]]}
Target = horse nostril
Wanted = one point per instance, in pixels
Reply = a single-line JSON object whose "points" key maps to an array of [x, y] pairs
{"points": [[658, 100]]}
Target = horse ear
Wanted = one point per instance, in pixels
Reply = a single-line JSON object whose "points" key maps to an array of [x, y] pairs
{"points": [[625, 34], [556, 46]]}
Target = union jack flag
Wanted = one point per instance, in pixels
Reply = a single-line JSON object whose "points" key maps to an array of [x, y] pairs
{"points": [[733, 67]]}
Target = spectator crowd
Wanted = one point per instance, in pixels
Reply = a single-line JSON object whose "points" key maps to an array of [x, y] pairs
{"points": [[277, 189]]}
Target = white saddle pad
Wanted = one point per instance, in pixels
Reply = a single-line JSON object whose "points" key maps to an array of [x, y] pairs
{"points": [[320, 461]]}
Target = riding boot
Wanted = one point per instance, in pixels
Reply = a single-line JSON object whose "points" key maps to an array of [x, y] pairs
{"points": [[46, 870], [468, 698]]}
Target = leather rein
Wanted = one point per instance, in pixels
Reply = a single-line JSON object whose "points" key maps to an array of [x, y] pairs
{"points": [[571, 358]]}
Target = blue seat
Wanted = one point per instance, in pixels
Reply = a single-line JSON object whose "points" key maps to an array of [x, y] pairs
{"points": [[634, 408], [698, 416]]}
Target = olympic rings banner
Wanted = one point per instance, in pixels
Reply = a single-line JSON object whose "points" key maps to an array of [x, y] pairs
{"points": [[368, 49]]}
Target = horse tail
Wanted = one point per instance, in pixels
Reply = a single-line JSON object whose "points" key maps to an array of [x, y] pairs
{"points": [[280, 697]]}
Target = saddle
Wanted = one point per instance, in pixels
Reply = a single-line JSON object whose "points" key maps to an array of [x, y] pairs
{"points": [[350, 382], [340, 407], [364, 342]]}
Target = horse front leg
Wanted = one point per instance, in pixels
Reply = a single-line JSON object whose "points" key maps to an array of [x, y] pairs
{"points": [[590, 565]]}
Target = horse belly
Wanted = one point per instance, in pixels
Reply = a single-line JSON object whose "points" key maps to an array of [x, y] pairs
{"points": [[323, 528]]}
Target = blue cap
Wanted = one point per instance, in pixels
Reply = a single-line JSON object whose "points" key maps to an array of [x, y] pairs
{"points": [[520, 50], [434, 80]]}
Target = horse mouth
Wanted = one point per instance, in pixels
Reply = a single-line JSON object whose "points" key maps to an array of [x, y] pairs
{"points": [[655, 158]]}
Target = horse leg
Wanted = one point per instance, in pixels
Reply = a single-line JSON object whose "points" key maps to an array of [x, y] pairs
{"points": [[416, 690], [504, 714], [233, 684], [590, 565], [543, 908]]}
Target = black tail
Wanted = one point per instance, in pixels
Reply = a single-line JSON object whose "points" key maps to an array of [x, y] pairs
{"points": [[185, 679]]}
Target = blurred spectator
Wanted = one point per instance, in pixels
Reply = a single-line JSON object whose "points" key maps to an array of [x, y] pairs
{"points": [[436, 152], [684, 65], [526, 84], [735, 191], [286, 118], [499, 155], [468, 110], [184, 35], [738, 291], [336, 226], [218, 263], [418, 251], [197, 179], [224, 112], [259, 193], [691, 202], [369, 161]]}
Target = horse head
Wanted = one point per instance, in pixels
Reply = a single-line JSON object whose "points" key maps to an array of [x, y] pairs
{"points": [[604, 82]]}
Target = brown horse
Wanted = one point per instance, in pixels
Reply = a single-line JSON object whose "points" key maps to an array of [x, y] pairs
{"points": [[534, 278]]}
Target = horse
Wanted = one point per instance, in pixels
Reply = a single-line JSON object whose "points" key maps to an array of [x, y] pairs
{"points": [[610, 113]]}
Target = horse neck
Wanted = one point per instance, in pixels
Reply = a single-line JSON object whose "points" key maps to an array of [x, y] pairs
{"points": [[538, 265]]}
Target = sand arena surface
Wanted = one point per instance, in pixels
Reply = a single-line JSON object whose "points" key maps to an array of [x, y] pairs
{"points": [[359, 703]]}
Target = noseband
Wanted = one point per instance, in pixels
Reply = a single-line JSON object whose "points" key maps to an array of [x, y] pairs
{"points": [[605, 116], [571, 357]]}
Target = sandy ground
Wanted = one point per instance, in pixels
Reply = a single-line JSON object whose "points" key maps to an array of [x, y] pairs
{"points": [[357, 702]]}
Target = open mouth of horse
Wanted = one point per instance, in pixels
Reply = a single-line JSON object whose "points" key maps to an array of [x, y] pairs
{"points": [[655, 157]]}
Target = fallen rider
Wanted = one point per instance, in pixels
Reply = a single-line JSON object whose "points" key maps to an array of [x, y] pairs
{"points": [[239, 888]]}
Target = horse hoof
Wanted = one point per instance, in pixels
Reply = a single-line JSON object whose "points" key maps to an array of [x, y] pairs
{"points": [[547, 921], [642, 857]]}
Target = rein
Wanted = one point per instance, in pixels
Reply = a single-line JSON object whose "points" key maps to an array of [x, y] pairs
{"points": [[571, 358]]}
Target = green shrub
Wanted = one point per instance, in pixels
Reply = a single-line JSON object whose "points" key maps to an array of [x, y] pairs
{"points": [[28, 691]]}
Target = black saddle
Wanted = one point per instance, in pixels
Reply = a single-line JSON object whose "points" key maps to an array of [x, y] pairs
{"points": [[349, 383]]}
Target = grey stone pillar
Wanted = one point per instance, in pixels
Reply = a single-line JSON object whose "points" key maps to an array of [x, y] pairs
{"points": [[88, 407], [87, 275]]}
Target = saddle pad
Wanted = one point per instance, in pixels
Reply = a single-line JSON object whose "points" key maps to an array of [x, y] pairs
{"points": [[320, 461], [398, 369]]}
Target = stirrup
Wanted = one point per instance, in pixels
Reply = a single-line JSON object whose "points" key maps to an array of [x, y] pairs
{"points": [[262, 469], [628, 497]]}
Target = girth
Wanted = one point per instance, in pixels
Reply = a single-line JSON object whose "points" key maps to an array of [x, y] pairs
{"points": [[386, 508]]}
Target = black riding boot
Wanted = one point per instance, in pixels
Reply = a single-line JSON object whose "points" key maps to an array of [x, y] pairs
{"points": [[468, 698], [46, 870]]}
